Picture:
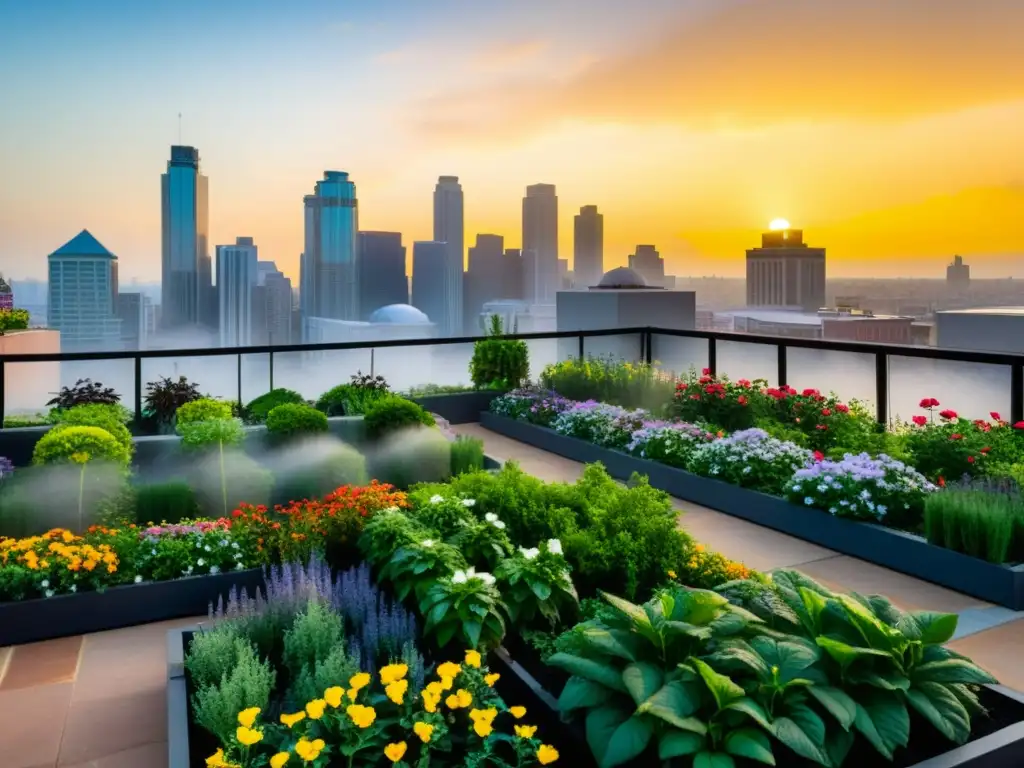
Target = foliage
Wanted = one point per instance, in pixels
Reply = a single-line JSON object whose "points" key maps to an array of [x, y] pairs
{"points": [[611, 426], [208, 433], [499, 362], [483, 543], [195, 549], [393, 413], [467, 454], [981, 518], [718, 400], [294, 419], [165, 396], [211, 652], [79, 445], [953, 447], [751, 459], [445, 515], [247, 683], [610, 380], [258, 409], [323, 469], [353, 398], [362, 380], [428, 390], [170, 501], [536, 581], [13, 320], [203, 409], [668, 442], [107, 417], [532, 405], [84, 392]]}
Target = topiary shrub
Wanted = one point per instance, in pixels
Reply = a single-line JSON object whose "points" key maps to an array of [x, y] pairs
{"points": [[498, 362], [420, 456], [293, 420], [393, 413], [79, 445], [321, 468], [108, 417], [169, 502], [257, 410], [204, 409]]}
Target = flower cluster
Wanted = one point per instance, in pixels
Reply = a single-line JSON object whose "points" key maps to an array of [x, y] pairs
{"points": [[719, 401], [59, 562], [174, 551], [608, 425], [669, 442], [862, 487], [533, 405], [708, 569], [750, 458]]}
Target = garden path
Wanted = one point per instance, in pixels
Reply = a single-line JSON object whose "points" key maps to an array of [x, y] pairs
{"points": [[993, 636]]}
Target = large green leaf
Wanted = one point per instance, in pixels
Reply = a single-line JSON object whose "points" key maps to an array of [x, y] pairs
{"points": [[814, 605], [728, 624], [605, 674], [942, 709], [690, 630], [929, 627], [674, 703], [722, 688], [890, 721], [791, 659], [803, 732], [738, 654], [845, 654], [886, 679], [952, 671], [602, 722], [614, 642], [582, 694], [713, 760], [628, 741], [837, 703], [751, 744], [876, 633], [698, 606], [838, 744], [751, 709], [679, 744], [642, 681], [968, 698], [637, 614]]}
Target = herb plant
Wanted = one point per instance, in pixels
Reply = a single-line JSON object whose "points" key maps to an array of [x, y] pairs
{"points": [[165, 396], [84, 392]]}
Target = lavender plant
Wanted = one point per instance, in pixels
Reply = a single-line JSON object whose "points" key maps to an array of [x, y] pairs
{"points": [[530, 404], [668, 442], [751, 458]]}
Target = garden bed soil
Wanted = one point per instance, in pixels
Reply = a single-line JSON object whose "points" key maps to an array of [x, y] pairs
{"points": [[29, 621], [458, 407], [997, 741], [899, 551]]}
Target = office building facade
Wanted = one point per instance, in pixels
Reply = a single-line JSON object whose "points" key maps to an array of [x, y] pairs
{"points": [[588, 247], [647, 262], [382, 278], [237, 276], [449, 228], [483, 280], [428, 262], [958, 274], [185, 289], [785, 273], [540, 240], [82, 295]]}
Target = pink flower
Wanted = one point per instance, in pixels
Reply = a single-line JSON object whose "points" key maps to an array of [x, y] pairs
{"points": [[742, 400], [826, 412], [842, 408], [819, 456], [956, 436], [995, 415], [920, 420], [745, 383], [970, 459], [706, 371], [1019, 425]]}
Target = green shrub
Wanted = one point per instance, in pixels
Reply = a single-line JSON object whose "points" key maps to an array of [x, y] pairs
{"points": [[13, 320], [79, 445], [108, 417], [312, 681], [423, 456], [316, 632], [393, 413], [497, 362], [294, 419], [349, 399], [165, 396], [610, 380], [983, 520], [321, 472], [211, 433], [204, 409], [246, 683], [213, 652], [168, 502], [257, 410], [467, 454]]}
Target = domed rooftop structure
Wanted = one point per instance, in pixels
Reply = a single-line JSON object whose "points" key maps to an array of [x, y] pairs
{"points": [[399, 314], [622, 278]]}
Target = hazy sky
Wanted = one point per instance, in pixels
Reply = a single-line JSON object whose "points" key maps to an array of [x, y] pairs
{"points": [[891, 131]]}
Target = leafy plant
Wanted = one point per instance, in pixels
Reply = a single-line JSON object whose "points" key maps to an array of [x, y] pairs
{"points": [[169, 502], [247, 683], [362, 380], [499, 362], [13, 320], [203, 409], [79, 445], [537, 581], [467, 454], [446, 515], [416, 567], [107, 417], [84, 392], [292, 420], [465, 606], [258, 409], [392, 413], [609, 380], [353, 398], [984, 519], [165, 396], [483, 543]]}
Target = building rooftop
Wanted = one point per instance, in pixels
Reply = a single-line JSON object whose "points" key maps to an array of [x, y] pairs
{"points": [[622, 277], [983, 311], [800, 317], [83, 244], [399, 314]]}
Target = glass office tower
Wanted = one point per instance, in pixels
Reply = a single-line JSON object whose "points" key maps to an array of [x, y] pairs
{"points": [[186, 288]]}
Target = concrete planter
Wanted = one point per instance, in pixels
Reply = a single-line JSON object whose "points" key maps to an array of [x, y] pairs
{"points": [[903, 552]]}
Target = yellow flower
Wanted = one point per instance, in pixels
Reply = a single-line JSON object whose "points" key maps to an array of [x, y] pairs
{"points": [[315, 708], [248, 736], [525, 731], [393, 672], [278, 760], [486, 715], [357, 682], [460, 699], [492, 678], [672, 575], [699, 547], [435, 689], [449, 669], [424, 731], [546, 754], [517, 712], [291, 720], [248, 716], [396, 690], [216, 759], [352, 693], [430, 699], [473, 659], [361, 716], [333, 696], [395, 752], [447, 682], [483, 728], [309, 750]]}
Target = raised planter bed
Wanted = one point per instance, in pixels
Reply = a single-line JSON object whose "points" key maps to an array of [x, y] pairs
{"points": [[459, 407], [996, 742], [903, 552], [29, 621]]}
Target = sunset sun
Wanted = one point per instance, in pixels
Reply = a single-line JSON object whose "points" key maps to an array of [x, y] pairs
{"points": [[778, 224]]}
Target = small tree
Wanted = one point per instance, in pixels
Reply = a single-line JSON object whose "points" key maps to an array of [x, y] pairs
{"points": [[499, 362]]}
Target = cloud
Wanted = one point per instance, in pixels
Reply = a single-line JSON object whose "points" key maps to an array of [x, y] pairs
{"points": [[510, 55], [756, 63]]}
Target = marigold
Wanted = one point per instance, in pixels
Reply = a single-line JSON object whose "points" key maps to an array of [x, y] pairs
{"points": [[290, 720], [424, 731], [449, 670], [546, 754], [525, 731], [473, 659], [315, 708], [395, 752], [309, 750], [393, 672], [334, 695], [460, 699], [248, 736], [362, 716], [279, 760], [483, 728], [248, 716], [396, 690], [359, 681]]}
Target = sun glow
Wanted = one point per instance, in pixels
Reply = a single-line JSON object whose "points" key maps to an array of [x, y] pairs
{"points": [[778, 224]]}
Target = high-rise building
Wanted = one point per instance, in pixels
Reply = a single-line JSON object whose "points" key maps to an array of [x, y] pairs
{"points": [[785, 273], [449, 228], [648, 263], [512, 274], [6, 295], [237, 275], [186, 288], [429, 259], [540, 235], [382, 278], [958, 274], [483, 279], [131, 310], [278, 308], [330, 266], [588, 246], [82, 295]]}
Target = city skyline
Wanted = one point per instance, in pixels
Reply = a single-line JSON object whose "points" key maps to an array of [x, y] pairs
{"points": [[892, 179]]}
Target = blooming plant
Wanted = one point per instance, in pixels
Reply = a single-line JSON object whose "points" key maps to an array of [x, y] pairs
{"points": [[466, 606], [445, 515], [484, 543], [608, 425], [752, 459], [173, 551], [60, 562], [537, 581], [879, 489], [668, 442], [532, 405], [719, 401], [415, 567], [706, 569], [824, 419], [945, 445]]}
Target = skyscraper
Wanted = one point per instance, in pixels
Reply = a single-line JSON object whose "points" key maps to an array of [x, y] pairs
{"points": [[785, 273], [429, 259], [958, 274], [82, 295], [330, 264], [540, 235], [186, 275], [483, 279], [588, 247], [449, 228], [279, 308], [382, 278], [648, 263], [236, 278]]}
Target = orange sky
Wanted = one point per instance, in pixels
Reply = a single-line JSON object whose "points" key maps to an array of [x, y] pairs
{"points": [[892, 132]]}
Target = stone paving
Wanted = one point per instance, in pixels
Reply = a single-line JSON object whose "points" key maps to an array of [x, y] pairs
{"points": [[99, 701]]}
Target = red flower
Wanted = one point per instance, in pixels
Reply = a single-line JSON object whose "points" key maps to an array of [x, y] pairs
{"points": [[842, 408], [706, 371], [742, 400], [1019, 425], [947, 414], [925, 403], [956, 436], [822, 427], [920, 420], [986, 449], [995, 415], [970, 459], [745, 383], [819, 456], [810, 392], [826, 412], [942, 482]]}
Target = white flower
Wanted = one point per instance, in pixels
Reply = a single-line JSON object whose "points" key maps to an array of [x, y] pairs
{"points": [[529, 554], [554, 546], [206, 548], [189, 569], [492, 518], [44, 583], [239, 567], [74, 588], [50, 593], [234, 545], [436, 499], [808, 501], [428, 543], [200, 562], [468, 502], [486, 578], [153, 551], [459, 577], [223, 542], [138, 579], [214, 569]]}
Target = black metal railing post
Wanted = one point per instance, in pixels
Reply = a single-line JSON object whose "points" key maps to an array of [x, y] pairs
{"points": [[649, 351], [1017, 392], [240, 403], [581, 347], [712, 357], [138, 390], [3, 392], [783, 373], [270, 364], [882, 388]]}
